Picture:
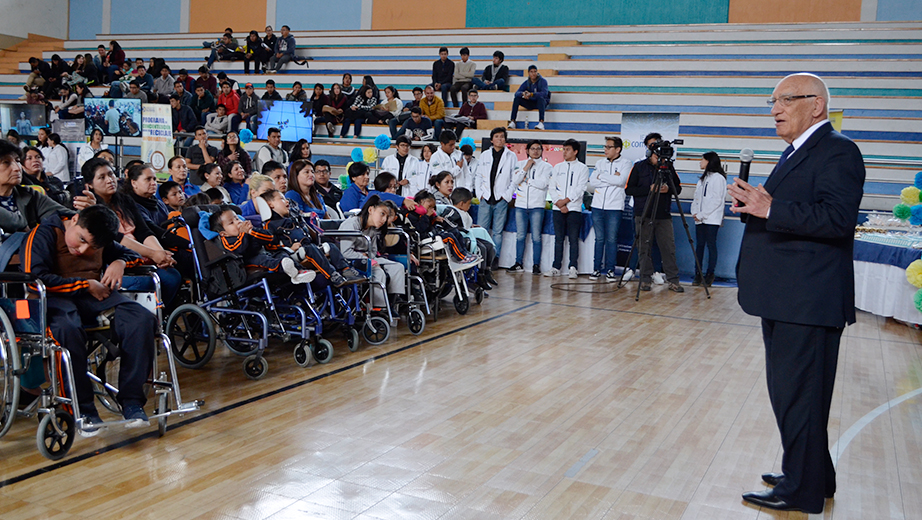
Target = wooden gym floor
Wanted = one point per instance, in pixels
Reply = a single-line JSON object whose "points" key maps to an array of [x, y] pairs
{"points": [[538, 404]]}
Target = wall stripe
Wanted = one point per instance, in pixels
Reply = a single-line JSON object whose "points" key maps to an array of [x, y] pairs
{"points": [[184, 7], [270, 15], [401, 14], [868, 10], [366, 14], [107, 16], [548, 13], [794, 11]]}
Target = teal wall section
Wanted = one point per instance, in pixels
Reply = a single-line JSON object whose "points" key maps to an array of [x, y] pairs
{"points": [[553, 13]]}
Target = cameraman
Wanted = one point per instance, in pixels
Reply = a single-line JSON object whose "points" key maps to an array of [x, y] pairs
{"points": [[659, 225]]}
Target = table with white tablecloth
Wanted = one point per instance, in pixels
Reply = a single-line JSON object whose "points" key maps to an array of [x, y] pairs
{"points": [[881, 287]]}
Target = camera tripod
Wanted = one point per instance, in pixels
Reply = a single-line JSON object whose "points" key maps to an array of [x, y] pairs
{"points": [[661, 177]]}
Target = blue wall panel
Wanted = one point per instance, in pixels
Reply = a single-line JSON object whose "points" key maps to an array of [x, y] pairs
{"points": [[551, 13], [899, 10], [135, 16], [303, 15], [85, 19]]}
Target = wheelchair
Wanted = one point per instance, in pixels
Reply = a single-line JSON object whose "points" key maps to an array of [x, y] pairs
{"points": [[224, 294], [26, 347], [442, 274]]}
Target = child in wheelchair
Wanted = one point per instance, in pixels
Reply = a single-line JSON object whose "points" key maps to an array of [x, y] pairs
{"points": [[68, 254], [429, 224], [236, 235]]}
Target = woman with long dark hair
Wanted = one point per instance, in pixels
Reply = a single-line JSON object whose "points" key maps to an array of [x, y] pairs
{"points": [[334, 111], [232, 152], [89, 151], [318, 101], [707, 209], [115, 59], [302, 188], [300, 151], [372, 222]]}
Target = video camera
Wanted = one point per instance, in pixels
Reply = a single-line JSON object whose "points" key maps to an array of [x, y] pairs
{"points": [[664, 149]]}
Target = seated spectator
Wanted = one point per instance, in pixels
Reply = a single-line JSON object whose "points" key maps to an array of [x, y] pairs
{"points": [[335, 109], [531, 95], [214, 180], [318, 100], [82, 71], [402, 165], [219, 122], [443, 71], [257, 184], [143, 191], [433, 108], [254, 52], [297, 93], [115, 61], [302, 189], [100, 61], [235, 184], [206, 80], [222, 78], [372, 221], [184, 119], [57, 160], [135, 92], [179, 174], [417, 128], [463, 78], [277, 172], [233, 152], [359, 111], [330, 192], [203, 104], [300, 150], [272, 151], [389, 109], [164, 85], [355, 195], [68, 100], [226, 49], [249, 107], [144, 78], [495, 76], [40, 74], [268, 44], [15, 139], [185, 97], [284, 51], [188, 84], [468, 114], [60, 71], [33, 174], [271, 94], [199, 155], [172, 196], [77, 110], [231, 101], [348, 90], [405, 112], [88, 151], [368, 81]]}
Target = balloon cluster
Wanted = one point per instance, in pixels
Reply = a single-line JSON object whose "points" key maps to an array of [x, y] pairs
{"points": [[368, 155], [910, 206]]}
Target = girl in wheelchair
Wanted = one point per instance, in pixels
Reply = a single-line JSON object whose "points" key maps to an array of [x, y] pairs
{"points": [[427, 222], [372, 223]]}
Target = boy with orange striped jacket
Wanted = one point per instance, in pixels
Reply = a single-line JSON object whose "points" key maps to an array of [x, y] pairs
{"points": [[68, 253]]}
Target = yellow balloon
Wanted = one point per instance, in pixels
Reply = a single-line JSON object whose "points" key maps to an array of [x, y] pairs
{"points": [[910, 195], [370, 155], [914, 273]]}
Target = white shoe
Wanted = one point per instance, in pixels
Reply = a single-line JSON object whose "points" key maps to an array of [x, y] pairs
{"points": [[297, 276], [539, 126], [511, 124], [573, 273], [553, 272], [659, 278]]}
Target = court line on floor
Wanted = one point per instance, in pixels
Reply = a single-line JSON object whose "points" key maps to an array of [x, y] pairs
{"points": [[846, 438], [200, 417]]}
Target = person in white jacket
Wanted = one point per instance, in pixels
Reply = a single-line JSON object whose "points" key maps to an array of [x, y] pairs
{"points": [[446, 158], [468, 167], [402, 164], [608, 180], [708, 211], [493, 184], [568, 184], [533, 175], [424, 171], [57, 159]]}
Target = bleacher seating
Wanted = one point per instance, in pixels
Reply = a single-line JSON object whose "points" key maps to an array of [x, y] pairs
{"points": [[716, 76]]}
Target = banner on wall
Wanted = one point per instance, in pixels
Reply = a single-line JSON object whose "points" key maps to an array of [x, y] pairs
{"points": [[157, 135], [636, 126]]}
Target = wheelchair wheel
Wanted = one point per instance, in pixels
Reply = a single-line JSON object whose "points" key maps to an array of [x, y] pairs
{"points": [[323, 351], [9, 381], [192, 334], [416, 321], [241, 326], [352, 338], [255, 367], [105, 369], [376, 330], [462, 305], [302, 354], [163, 407], [51, 444], [478, 295]]}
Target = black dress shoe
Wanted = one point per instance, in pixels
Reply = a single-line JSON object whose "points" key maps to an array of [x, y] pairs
{"points": [[768, 499], [773, 479]]}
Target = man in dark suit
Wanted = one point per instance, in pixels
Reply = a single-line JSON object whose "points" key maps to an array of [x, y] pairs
{"points": [[795, 272]]}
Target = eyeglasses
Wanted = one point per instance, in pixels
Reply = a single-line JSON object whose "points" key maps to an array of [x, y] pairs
{"points": [[786, 101]]}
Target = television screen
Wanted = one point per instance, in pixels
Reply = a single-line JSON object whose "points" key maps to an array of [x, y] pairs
{"points": [[25, 119], [553, 150], [292, 118], [121, 117]]}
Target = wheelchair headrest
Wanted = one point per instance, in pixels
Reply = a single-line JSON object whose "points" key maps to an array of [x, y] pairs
{"points": [[262, 207]]}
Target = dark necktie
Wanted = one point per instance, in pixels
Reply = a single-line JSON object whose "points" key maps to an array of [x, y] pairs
{"points": [[784, 156]]}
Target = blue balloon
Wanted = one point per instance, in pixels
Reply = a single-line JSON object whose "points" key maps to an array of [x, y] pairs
{"points": [[383, 142], [468, 140], [357, 155], [916, 218], [918, 183], [246, 136]]}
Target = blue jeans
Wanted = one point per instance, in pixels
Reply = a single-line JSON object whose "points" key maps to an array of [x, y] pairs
{"points": [[446, 87], [706, 235], [529, 104], [170, 280], [492, 217], [526, 219], [605, 222], [496, 85]]}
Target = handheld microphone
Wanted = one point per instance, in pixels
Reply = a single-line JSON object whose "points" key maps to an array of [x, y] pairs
{"points": [[746, 156]]}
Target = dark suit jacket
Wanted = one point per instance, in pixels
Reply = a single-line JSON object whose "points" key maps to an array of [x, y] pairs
{"points": [[796, 267]]}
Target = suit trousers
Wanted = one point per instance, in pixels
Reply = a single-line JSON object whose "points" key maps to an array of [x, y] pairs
{"points": [[800, 367]]}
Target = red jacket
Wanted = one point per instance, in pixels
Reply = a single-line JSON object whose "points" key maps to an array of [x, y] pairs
{"points": [[231, 102], [478, 111]]}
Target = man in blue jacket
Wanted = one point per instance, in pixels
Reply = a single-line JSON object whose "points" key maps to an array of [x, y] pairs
{"points": [[284, 51], [531, 95]]}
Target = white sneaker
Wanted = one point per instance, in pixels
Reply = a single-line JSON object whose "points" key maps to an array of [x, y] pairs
{"points": [[659, 278], [539, 126], [553, 272], [297, 275], [628, 274], [511, 124], [573, 273]]}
